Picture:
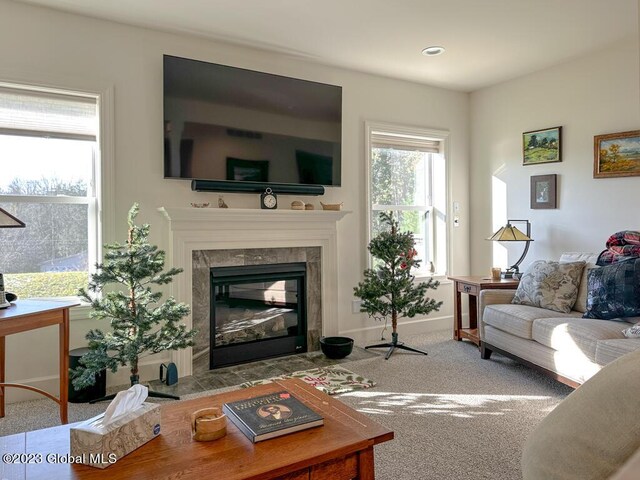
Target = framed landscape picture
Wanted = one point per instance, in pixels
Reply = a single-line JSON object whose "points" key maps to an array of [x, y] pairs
{"points": [[616, 155], [543, 191], [542, 146]]}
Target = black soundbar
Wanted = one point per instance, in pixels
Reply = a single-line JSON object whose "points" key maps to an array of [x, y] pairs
{"points": [[254, 187]]}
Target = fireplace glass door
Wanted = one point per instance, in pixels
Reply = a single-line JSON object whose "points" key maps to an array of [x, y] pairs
{"points": [[257, 311]]}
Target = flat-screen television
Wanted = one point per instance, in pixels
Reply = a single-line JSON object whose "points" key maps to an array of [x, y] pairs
{"points": [[234, 125]]}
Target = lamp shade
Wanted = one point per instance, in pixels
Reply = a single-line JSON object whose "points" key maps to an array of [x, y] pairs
{"points": [[9, 221], [509, 233]]}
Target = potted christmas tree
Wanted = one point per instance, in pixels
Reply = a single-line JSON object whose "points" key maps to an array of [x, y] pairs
{"points": [[140, 323], [388, 290]]}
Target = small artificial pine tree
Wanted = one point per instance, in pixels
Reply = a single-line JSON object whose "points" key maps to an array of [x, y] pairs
{"points": [[140, 324], [388, 289]]}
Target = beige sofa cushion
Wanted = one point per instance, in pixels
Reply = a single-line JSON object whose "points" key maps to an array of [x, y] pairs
{"points": [[580, 335], [609, 350], [592, 432], [590, 260], [518, 319]]}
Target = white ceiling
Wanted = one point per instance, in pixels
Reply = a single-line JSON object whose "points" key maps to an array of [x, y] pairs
{"points": [[487, 41]]}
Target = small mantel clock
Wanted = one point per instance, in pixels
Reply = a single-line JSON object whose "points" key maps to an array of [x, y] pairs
{"points": [[268, 200]]}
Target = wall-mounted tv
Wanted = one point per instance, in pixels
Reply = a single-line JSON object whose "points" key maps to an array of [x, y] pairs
{"points": [[240, 126]]}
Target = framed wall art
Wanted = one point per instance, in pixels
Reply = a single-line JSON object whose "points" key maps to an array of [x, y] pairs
{"points": [[542, 146], [616, 155], [543, 191]]}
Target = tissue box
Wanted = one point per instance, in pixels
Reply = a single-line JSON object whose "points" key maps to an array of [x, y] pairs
{"points": [[123, 436]]}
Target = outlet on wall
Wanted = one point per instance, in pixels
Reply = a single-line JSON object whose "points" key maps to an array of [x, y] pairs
{"points": [[355, 306]]}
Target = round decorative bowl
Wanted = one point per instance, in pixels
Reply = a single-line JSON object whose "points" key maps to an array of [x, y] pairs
{"points": [[336, 347]]}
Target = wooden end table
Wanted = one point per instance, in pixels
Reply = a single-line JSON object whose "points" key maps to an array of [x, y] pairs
{"points": [[472, 285], [340, 449], [27, 315]]}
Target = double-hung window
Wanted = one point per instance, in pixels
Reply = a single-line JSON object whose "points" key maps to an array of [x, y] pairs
{"points": [[407, 176], [49, 164]]}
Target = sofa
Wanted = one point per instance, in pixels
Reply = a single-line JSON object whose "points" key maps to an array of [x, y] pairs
{"points": [[566, 346], [593, 433]]}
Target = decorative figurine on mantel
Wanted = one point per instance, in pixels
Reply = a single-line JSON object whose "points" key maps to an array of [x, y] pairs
{"points": [[221, 202], [388, 289]]}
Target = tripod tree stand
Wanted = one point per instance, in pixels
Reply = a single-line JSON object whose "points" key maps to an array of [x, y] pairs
{"points": [[140, 323], [388, 289]]}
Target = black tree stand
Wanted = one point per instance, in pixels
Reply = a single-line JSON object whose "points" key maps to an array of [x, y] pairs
{"points": [[135, 380], [393, 345]]}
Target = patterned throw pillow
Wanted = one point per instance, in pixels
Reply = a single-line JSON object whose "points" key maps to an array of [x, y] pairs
{"points": [[550, 285], [614, 291]]}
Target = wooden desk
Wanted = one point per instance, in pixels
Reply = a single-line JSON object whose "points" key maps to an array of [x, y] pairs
{"points": [[472, 287], [341, 449], [27, 315]]}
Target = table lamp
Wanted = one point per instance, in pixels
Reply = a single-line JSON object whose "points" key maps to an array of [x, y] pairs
{"points": [[7, 221], [509, 233]]}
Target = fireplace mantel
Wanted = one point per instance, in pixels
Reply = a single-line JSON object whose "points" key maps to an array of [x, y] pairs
{"points": [[192, 229], [179, 215]]}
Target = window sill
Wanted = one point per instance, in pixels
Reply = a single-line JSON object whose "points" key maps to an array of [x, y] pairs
{"points": [[442, 278], [81, 312]]}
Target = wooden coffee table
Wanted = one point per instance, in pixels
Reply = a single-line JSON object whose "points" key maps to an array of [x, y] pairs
{"points": [[341, 449]]}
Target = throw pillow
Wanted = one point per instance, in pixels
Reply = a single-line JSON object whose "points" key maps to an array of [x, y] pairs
{"points": [[632, 332], [614, 291], [550, 285], [590, 259]]}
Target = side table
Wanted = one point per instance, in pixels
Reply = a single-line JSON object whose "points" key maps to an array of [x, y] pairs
{"points": [[27, 315], [472, 285]]}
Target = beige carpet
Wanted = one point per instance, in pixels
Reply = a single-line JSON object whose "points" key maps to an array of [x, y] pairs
{"points": [[454, 415]]}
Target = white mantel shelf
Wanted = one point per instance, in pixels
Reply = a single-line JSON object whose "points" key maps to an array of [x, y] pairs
{"points": [[193, 229], [244, 215]]}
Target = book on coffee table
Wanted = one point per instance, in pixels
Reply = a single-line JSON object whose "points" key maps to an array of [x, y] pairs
{"points": [[269, 416]]}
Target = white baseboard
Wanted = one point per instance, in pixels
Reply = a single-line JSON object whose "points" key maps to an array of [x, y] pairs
{"points": [[148, 371], [366, 335]]}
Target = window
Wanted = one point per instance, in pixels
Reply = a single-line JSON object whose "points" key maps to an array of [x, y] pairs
{"points": [[49, 159], [407, 176]]}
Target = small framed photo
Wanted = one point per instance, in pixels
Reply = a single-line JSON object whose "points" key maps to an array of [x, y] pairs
{"points": [[542, 146], [543, 191], [616, 155]]}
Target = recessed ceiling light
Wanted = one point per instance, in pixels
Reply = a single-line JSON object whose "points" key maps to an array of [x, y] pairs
{"points": [[432, 51]]}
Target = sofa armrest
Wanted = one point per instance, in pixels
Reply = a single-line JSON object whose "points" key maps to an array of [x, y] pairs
{"points": [[492, 297]]}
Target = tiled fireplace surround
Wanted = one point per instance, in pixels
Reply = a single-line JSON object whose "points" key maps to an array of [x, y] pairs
{"points": [[203, 260], [200, 238]]}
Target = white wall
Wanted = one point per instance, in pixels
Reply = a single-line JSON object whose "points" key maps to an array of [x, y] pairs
{"points": [[44, 46], [589, 96]]}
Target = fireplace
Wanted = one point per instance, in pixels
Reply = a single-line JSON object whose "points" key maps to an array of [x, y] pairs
{"points": [[228, 294], [201, 238], [257, 312]]}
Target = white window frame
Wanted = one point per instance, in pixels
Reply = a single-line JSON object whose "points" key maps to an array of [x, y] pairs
{"points": [[419, 134], [101, 218]]}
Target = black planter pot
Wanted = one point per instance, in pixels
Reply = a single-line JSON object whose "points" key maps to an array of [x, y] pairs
{"points": [[336, 347]]}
